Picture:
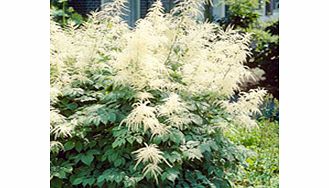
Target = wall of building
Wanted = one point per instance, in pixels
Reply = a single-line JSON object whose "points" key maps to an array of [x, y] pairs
{"points": [[85, 6], [139, 8]]}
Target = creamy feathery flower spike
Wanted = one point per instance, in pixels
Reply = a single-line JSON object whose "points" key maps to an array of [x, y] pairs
{"points": [[153, 156], [175, 111], [179, 121], [173, 104], [62, 130], [149, 154], [56, 118], [144, 96], [144, 116], [245, 107], [56, 146], [152, 169]]}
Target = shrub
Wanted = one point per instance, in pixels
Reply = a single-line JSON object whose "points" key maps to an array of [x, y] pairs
{"points": [[147, 106], [241, 13], [62, 13]]}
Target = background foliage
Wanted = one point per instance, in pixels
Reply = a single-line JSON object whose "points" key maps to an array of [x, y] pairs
{"points": [[244, 15], [263, 167], [62, 13]]}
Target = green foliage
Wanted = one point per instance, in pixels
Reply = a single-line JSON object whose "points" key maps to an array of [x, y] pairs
{"points": [[64, 14], [241, 13], [265, 49], [269, 109], [99, 153], [263, 166]]}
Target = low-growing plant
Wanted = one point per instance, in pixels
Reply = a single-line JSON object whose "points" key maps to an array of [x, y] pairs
{"points": [[147, 107], [263, 166]]}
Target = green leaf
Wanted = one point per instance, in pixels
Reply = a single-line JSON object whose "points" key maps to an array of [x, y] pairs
{"points": [[77, 181], [69, 145], [205, 147], [103, 118], [172, 174], [72, 106], [100, 178], [117, 162], [118, 178], [175, 156], [112, 117], [177, 137], [78, 146], [130, 139], [96, 120], [87, 159], [89, 181], [118, 142], [93, 152]]}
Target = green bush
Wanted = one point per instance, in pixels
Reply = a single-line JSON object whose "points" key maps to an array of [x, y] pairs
{"points": [[136, 108], [62, 13], [241, 13], [265, 49], [263, 167]]}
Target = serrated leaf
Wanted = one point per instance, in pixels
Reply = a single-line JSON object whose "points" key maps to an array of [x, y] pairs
{"points": [[175, 156], [96, 120], [72, 106], [205, 147], [103, 118], [100, 178], [172, 174], [130, 139], [93, 152], [118, 178], [87, 159], [89, 181], [177, 137], [77, 181], [117, 162], [69, 145], [112, 117], [118, 142], [78, 146]]}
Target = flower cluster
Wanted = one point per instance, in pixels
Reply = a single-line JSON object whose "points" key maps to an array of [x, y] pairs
{"points": [[153, 156]]}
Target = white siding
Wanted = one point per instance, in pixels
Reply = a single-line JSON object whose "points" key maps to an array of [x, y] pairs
{"points": [[218, 10]]}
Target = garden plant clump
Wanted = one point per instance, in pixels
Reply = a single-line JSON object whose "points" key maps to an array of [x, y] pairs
{"points": [[146, 107]]}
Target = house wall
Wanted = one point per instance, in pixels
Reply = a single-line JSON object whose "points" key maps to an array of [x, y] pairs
{"points": [[139, 8], [146, 4], [85, 6], [218, 9]]}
